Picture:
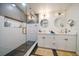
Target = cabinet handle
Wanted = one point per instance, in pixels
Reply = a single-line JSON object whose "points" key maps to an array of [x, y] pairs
{"points": [[54, 43], [66, 39], [43, 37]]}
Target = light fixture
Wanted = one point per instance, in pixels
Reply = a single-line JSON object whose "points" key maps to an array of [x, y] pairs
{"points": [[13, 5], [23, 4]]}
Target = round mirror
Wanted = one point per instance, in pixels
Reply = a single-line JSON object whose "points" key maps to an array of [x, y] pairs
{"points": [[60, 22], [44, 23]]}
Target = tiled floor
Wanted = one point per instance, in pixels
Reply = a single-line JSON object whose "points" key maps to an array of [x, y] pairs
{"points": [[44, 52], [20, 51], [65, 53], [51, 52]]}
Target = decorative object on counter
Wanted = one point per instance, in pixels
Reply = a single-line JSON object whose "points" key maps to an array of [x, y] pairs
{"points": [[52, 32], [59, 13], [7, 24], [71, 22], [44, 23]]}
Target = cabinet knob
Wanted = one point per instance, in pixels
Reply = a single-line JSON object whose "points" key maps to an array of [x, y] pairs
{"points": [[66, 39], [43, 37], [53, 43]]}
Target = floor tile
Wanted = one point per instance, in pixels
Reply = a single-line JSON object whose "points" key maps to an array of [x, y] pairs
{"points": [[44, 52], [65, 53]]}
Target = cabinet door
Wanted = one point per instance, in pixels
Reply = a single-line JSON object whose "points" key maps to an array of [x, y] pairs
{"points": [[49, 41], [71, 43], [41, 41], [61, 43], [53, 42], [46, 41], [67, 43]]}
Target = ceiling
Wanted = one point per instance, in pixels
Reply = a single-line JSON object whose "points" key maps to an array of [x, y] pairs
{"points": [[44, 7]]}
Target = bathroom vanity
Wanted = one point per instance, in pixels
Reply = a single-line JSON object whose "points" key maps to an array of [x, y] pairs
{"points": [[65, 42]]}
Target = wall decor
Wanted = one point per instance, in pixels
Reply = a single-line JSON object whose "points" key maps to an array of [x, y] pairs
{"points": [[71, 22], [7, 24], [44, 23]]}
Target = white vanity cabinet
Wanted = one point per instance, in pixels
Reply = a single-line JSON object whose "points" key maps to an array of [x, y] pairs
{"points": [[71, 43], [61, 42], [66, 42]]}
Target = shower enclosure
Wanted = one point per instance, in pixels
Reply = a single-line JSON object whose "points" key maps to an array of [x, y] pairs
{"points": [[17, 38], [31, 40]]}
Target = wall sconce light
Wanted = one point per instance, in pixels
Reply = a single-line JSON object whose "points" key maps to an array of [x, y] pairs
{"points": [[71, 22]]}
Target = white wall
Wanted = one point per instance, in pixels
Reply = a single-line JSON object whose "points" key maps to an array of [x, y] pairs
{"points": [[73, 13], [50, 17], [10, 37]]}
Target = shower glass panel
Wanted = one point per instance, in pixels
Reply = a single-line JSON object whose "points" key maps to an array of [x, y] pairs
{"points": [[31, 39]]}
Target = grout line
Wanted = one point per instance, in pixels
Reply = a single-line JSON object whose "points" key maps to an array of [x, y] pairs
{"points": [[54, 52]]}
